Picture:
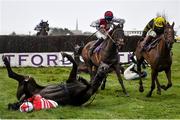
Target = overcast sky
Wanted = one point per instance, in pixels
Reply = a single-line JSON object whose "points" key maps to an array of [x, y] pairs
{"points": [[22, 16]]}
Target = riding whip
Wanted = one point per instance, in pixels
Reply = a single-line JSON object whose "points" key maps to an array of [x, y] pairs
{"points": [[92, 35]]}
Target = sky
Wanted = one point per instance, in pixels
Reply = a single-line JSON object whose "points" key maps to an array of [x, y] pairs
{"points": [[21, 16]]}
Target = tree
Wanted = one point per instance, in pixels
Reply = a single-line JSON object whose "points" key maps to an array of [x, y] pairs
{"points": [[13, 33], [60, 31]]}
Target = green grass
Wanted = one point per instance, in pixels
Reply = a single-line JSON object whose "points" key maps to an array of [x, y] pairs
{"points": [[110, 103]]}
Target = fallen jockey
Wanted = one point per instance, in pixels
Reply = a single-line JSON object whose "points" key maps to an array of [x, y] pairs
{"points": [[36, 102], [131, 73], [76, 91]]}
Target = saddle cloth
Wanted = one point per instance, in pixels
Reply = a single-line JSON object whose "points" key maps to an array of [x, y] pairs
{"points": [[98, 48]]}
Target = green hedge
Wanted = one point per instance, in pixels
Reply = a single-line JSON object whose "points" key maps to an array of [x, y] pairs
{"points": [[20, 44]]}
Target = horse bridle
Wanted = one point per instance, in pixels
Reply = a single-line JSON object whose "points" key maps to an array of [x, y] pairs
{"points": [[168, 37], [112, 38]]}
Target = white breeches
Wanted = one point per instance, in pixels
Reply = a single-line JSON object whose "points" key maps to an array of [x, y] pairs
{"points": [[130, 75], [151, 33], [100, 35]]}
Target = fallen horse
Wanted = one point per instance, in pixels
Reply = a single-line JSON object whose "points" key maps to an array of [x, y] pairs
{"points": [[75, 91]]}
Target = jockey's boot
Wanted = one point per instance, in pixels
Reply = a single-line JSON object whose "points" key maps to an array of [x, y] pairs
{"points": [[145, 42], [98, 42]]}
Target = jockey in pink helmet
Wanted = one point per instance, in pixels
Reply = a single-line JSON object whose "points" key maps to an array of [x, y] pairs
{"points": [[103, 25]]}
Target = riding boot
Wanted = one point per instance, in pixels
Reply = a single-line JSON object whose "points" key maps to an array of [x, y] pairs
{"points": [[92, 48], [145, 42]]}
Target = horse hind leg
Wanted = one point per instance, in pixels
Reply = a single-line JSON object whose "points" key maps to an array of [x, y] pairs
{"points": [[153, 78], [73, 73], [168, 75], [12, 74]]}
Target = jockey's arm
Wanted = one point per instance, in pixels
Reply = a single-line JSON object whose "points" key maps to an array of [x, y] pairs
{"points": [[118, 20], [37, 28], [95, 24], [147, 28]]}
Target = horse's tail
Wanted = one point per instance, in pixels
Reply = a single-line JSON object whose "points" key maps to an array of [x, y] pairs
{"points": [[78, 50]]}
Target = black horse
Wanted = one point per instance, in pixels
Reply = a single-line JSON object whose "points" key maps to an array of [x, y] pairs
{"points": [[107, 54], [76, 91], [42, 28]]}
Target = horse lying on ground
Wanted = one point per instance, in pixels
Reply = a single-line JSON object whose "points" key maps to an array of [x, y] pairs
{"points": [[76, 91]]}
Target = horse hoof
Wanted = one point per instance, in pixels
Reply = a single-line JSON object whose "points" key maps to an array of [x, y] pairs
{"points": [[141, 89], [127, 95], [102, 88], [159, 92], [163, 87], [148, 95]]}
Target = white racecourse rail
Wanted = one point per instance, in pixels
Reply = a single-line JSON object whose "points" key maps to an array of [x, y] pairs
{"points": [[46, 59]]}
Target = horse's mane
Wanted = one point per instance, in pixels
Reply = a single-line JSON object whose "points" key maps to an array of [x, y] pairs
{"points": [[115, 27]]}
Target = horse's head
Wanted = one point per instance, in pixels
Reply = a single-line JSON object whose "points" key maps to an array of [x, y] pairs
{"points": [[117, 35], [169, 35]]}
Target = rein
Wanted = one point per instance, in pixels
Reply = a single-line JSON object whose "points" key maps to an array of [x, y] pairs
{"points": [[109, 36], [86, 104], [91, 35]]}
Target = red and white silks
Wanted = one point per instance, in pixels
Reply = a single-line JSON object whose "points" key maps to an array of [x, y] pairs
{"points": [[40, 103]]}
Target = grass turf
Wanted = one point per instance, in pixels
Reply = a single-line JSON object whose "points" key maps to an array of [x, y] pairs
{"points": [[109, 103]]}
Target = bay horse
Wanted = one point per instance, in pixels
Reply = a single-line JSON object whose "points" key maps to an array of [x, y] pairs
{"points": [[108, 53], [159, 57], [75, 91]]}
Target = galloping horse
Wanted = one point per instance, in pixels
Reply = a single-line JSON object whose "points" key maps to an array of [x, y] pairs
{"points": [[159, 57], [107, 53]]}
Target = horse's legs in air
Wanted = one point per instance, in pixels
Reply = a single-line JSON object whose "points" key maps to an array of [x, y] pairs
{"points": [[73, 73], [168, 75], [117, 70], [12, 74], [153, 78], [19, 78]]}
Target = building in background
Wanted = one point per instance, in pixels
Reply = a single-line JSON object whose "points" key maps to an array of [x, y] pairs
{"points": [[77, 31], [133, 32]]}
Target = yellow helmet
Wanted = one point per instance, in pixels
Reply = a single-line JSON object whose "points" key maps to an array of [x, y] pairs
{"points": [[159, 21]]}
